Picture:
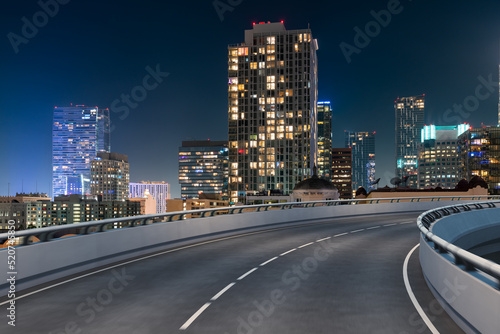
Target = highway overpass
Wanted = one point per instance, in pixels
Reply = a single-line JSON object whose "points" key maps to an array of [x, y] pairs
{"points": [[324, 269]]}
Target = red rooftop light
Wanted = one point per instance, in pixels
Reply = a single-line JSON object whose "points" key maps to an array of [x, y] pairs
{"points": [[254, 23], [282, 21]]}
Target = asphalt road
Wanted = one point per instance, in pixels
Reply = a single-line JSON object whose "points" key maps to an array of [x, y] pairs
{"points": [[351, 282]]}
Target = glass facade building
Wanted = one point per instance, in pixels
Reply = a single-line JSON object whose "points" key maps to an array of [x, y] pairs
{"points": [[78, 134], [409, 123], [203, 168], [363, 158], [479, 152], [324, 139], [272, 110], [438, 160]]}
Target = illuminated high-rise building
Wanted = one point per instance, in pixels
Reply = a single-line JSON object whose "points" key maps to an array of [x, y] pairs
{"points": [[363, 158], [159, 190], [203, 168], [109, 176], [342, 171], [324, 139], [409, 123], [272, 110], [438, 160], [479, 151], [78, 134]]}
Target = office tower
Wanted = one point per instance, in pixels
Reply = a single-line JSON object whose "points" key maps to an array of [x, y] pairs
{"points": [[409, 123], [110, 176], [78, 133], [479, 152], [438, 160], [159, 190], [363, 158], [203, 168], [342, 171], [324, 139], [272, 110]]}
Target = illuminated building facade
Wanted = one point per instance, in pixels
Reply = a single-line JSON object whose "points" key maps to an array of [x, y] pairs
{"points": [[159, 190], [272, 112], [324, 139], [203, 168], [78, 134], [479, 151], [363, 158], [438, 161], [109, 176], [342, 171], [409, 123]]}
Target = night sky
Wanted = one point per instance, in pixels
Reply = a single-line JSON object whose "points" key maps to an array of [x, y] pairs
{"points": [[91, 52]]}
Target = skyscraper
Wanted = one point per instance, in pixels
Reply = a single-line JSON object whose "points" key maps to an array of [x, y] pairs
{"points": [[342, 171], [78, 134], [272, 110], [110, 176], [409, 123], [438, 160], [203, 168], [479, 151], [363, 158], [324, 139], [159, 190]]}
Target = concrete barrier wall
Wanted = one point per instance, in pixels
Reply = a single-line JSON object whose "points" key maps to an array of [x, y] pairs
{"points": [[473, 304], [43, 262], [470, 229]]}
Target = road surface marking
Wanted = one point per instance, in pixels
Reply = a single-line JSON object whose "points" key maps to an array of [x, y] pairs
{"points": [[414, 300], [357, 231], [339, 235], [248, 273], [374, 227], [323, 239], [194, 316], [291, 250], [309, 244], [271, 260], [222, 291], [390, 224]]}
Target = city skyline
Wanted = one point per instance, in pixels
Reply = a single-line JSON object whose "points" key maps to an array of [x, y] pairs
{"points": [[95, 82]]}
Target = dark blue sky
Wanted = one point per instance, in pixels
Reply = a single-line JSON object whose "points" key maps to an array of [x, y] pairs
{"points": [[91, 52]]}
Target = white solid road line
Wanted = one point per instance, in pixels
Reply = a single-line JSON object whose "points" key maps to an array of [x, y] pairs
{"points": [[248, 273], [414, 300], [222, 291], [291, 250], [271, 260], [309, 244], [194, 316]]}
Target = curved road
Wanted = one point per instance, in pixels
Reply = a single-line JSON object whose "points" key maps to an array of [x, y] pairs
{"points": [[343, 275]]}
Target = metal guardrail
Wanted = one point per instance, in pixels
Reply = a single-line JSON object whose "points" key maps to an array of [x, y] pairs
{"points": [[46, 234], [468, 260]]}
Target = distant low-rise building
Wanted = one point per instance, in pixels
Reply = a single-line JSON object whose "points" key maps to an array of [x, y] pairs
{"points": [[147, 202], [186, 204], [159, 190]]}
